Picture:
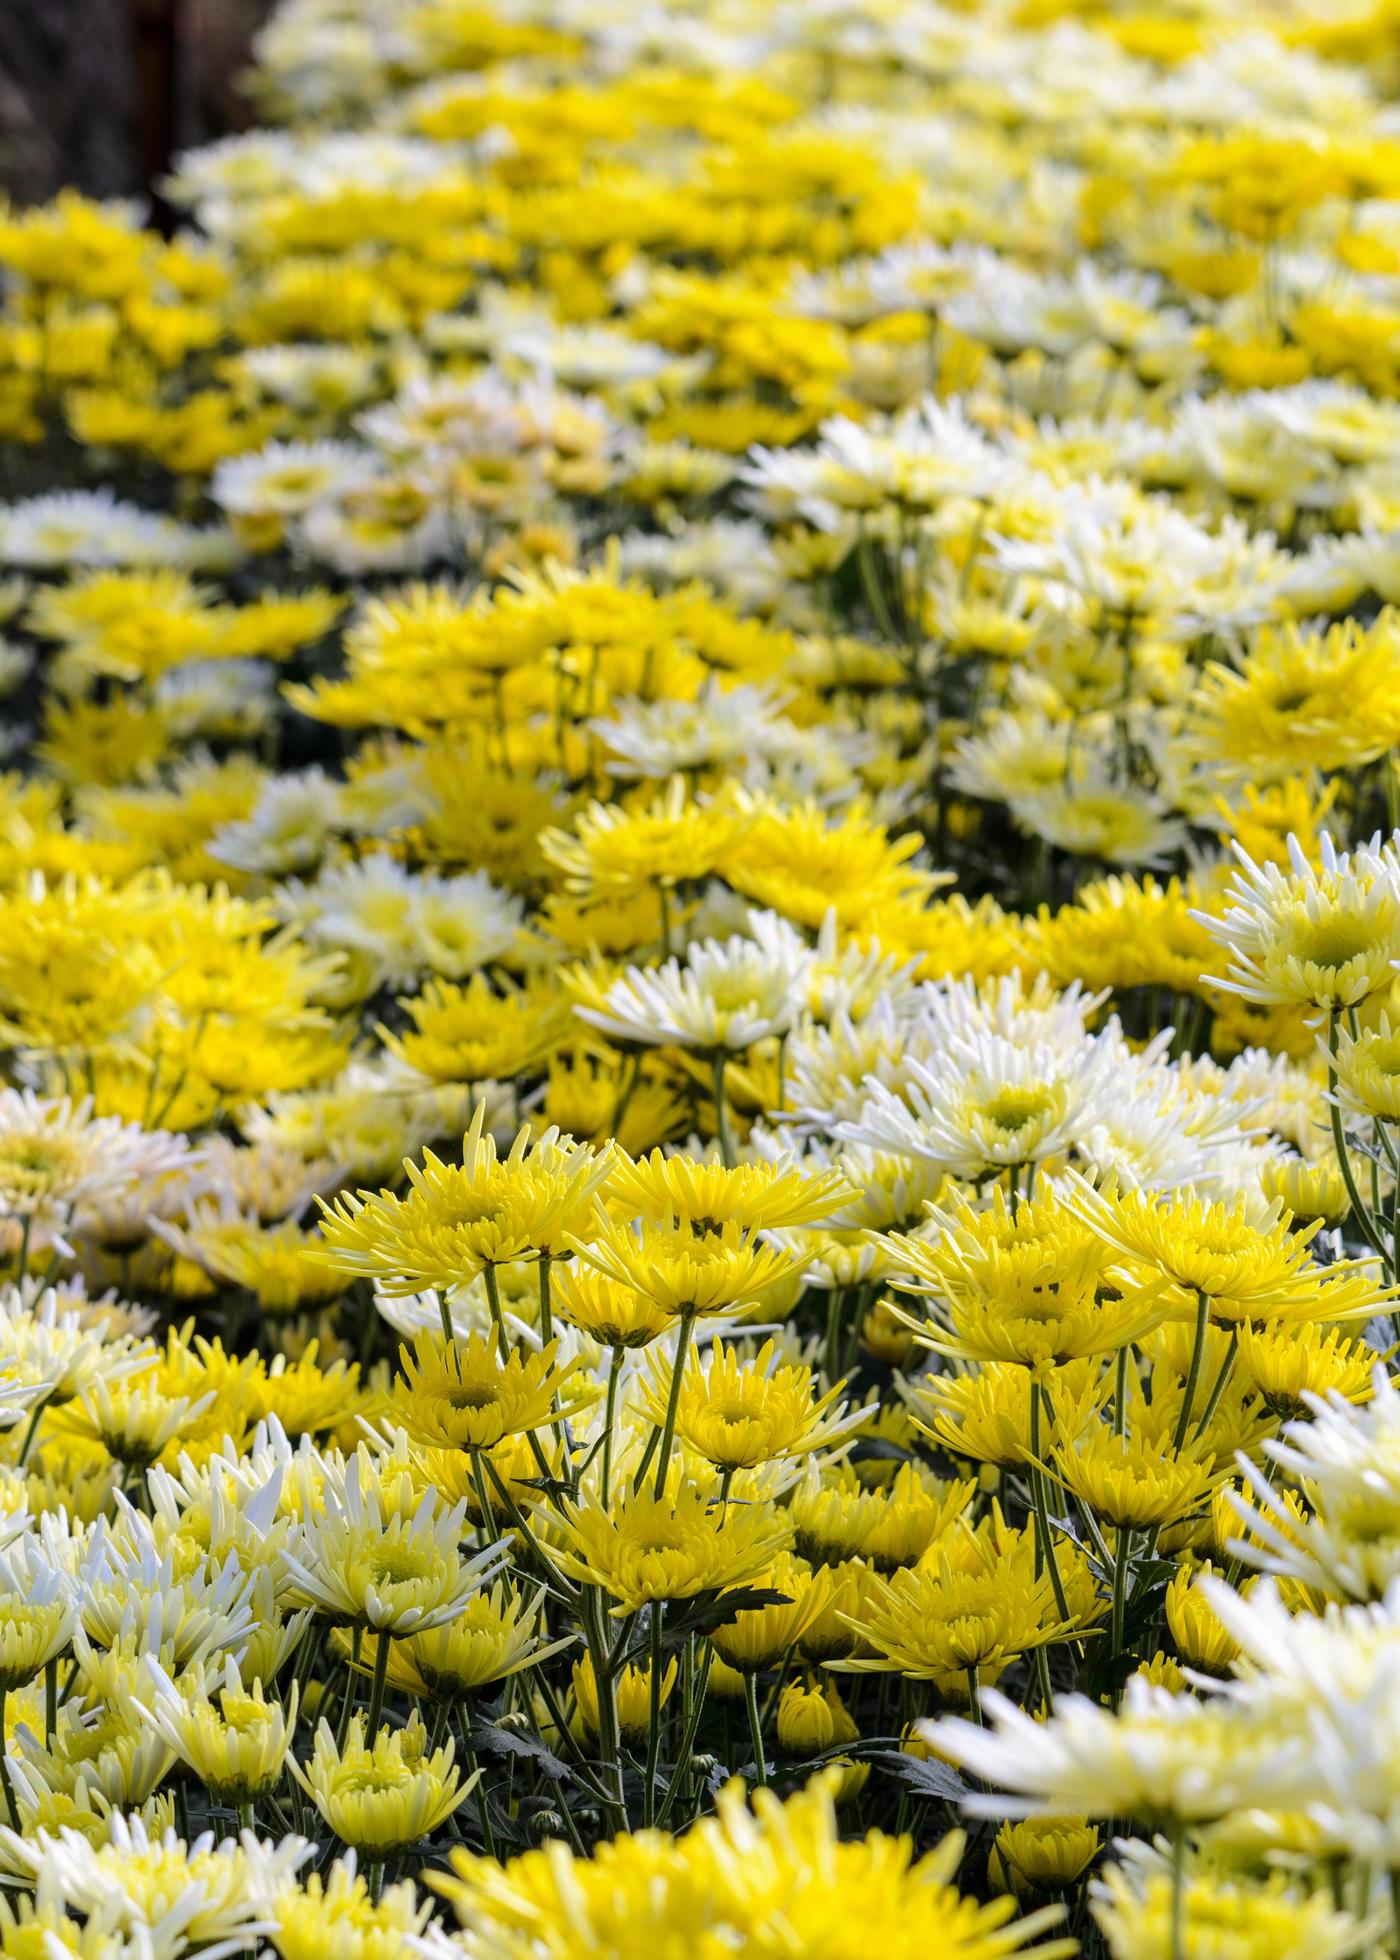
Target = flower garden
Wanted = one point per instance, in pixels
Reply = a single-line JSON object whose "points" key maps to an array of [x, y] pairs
{"points": [[700, 995]]}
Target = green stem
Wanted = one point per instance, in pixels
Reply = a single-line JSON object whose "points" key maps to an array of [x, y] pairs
{"points": [[1122, 1569], [1365, 1223], [493, 1301], [32, 1431], [1193, 1372], [5, 1783], [583, 1775], [343, 1726], [1120, 1394], [483, 1496], [608, 1745], [654, 1732], [755, 1727], [376, 1692], [1042, 1675], [874, 590], [483, 1808], [610, 1421], [663, 1456], [546, 1303], [722, 1130], [1218, 1385], [1045, 1548], [692, 1723]]}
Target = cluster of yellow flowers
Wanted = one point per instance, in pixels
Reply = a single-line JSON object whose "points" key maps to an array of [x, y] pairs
{"points": [[700, 995]]}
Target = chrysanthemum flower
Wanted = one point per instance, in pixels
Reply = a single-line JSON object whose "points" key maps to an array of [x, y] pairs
{"points": [[1031, 1284], [55, 1154], [762, 1196], [1042, 1854], [688, 1274], [725, 996], [1163, 1759], [615, 1314], [235, 1739], [359, 1564], [761, 1636], [632, 1695], [466, 1397], [656, 1548], [1259, 1919], [930, 1622], [732, 1878], [1326, 937], [737, 1413], [133, 1420], [220, 1893], [616, 851], [385, 1796], [37, 1613], [1132, 1483], [496, 1634], [1242, 1257], [337, 1916], [461, 1219]]}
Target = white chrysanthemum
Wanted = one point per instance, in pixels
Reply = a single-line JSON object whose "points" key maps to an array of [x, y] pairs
{"points": [[719, 729], [1346, 1462], [353, 542], [311, 379], [51, 1348], [163, 1894], [1335, 1677], [828, 1071], [291, 825], [55, 1155], [589, 357], [407, 922], [130, 1591], [220, 700], [1162, 1759], [444, 414], [1323, 936], [1093, 816], [93, 527], [914, 462], [257, 163], [358, 1564], [1136, 560], [286, 479], [725, 996], [990, 1102]]}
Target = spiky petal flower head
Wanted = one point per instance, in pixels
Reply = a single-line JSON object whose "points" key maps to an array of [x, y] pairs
{"points": [[775, 1879], [360, 1562], [644, 1548], [1162, 1759], [384, 1796], [459, 1219], [1321, 936]]}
